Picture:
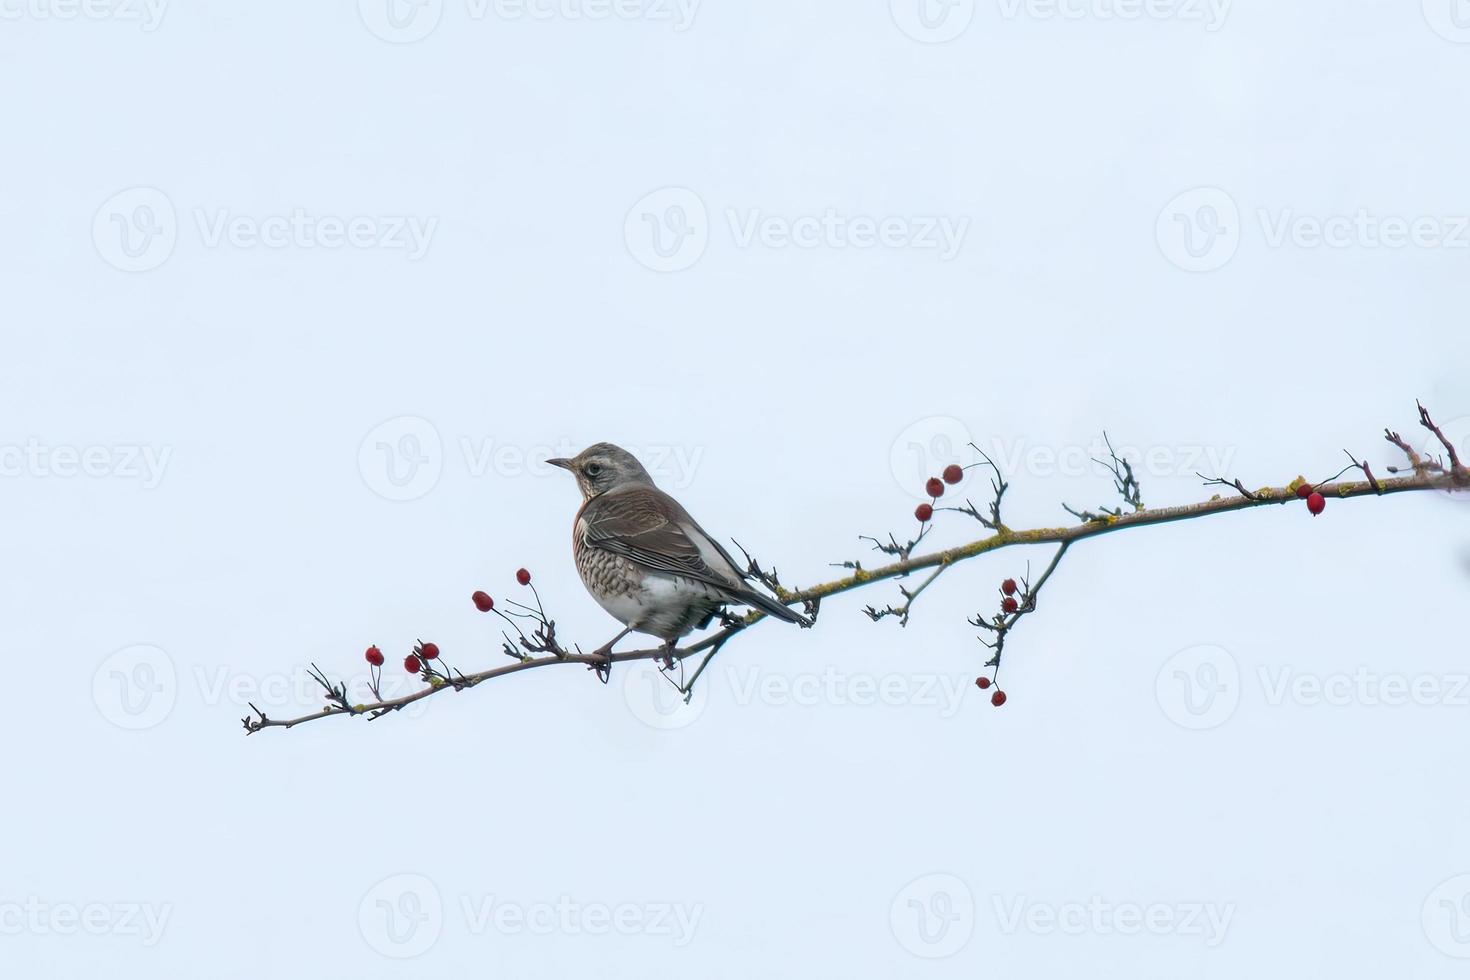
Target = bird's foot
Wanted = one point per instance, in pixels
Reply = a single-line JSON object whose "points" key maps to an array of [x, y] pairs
{"points": [[603, 659]]}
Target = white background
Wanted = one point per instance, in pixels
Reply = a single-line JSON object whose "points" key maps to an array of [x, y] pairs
{"points": [[1162, 749]]}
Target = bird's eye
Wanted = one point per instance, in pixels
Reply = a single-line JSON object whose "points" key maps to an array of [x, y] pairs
{"points": [[593, 469]]}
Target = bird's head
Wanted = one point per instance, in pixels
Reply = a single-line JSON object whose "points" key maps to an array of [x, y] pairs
{"points": [[602, 467]]}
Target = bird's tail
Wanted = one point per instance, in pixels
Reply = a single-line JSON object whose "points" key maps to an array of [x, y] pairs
{"points": [[771, 607]]}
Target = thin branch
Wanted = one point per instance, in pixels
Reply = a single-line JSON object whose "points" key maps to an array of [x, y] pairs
{"points": [[1427, 475]]}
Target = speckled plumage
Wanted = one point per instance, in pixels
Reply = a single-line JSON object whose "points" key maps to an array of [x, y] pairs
{"points": [[643, 558]]}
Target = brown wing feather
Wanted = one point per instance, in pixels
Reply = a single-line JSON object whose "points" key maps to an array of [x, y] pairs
{"points": [[647, 526], [639, 523]]}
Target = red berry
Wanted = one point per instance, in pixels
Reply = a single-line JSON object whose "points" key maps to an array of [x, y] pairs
{"points": [[374, 656], [523, 576], [935, 487], [1008, 586], [1304, 491], [953, 474], [411, 664], [924, 513], [998, 698], [429, 651], [982, 682], [1009, 604], [1316, 503], [483, 602]]}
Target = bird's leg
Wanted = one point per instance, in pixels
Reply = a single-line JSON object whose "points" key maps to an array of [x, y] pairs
{"points": [[604, 669], [605, 651], [670, 649]]}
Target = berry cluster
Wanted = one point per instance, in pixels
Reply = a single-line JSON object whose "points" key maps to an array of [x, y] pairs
{"points": [[934, 487], [413, 663], [425, 655], [1009, 604], [1316, 503], [984, 684]]}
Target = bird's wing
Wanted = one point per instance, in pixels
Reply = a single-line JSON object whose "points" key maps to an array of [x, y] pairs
{"points": [[647, 526]]}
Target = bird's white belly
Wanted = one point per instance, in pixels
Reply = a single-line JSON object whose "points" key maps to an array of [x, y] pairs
{"points": [[663, 605]]}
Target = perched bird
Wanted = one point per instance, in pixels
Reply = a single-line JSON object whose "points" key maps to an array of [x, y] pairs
{"points": [[644, 559]]}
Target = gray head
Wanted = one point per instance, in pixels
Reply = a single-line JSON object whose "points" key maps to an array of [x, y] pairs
{"points": [[602, 467]]}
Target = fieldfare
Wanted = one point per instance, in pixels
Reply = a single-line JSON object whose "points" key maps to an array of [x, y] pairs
{"points": [[644, 559]]}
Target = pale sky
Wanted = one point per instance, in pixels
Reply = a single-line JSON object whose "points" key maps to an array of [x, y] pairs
{"points": [[299, 296]]}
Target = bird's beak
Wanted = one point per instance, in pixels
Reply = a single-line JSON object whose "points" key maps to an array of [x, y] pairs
{"points": [[565, 464]]}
